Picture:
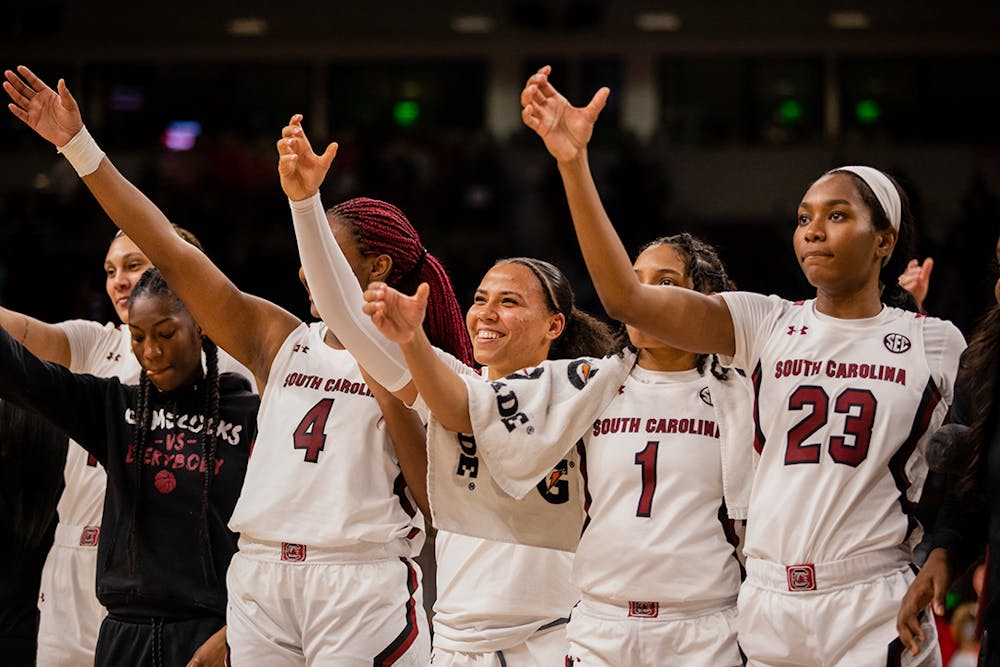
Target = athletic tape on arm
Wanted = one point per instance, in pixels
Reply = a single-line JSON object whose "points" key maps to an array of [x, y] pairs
{"points": [[338, 297]]}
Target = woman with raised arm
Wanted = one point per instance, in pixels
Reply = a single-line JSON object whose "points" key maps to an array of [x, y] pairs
{"points": [[647, 441], [698, 611], [847, 390], [175, 449], [497, 603], [327, 533]]}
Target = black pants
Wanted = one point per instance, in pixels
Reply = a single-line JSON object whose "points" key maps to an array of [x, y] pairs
{"points": [[152, 642]]}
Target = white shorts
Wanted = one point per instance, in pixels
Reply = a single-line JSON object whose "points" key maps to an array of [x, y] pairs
{"points": [[641, 634], [310, 609], [545, 648], [70, 615], [842, 615]]}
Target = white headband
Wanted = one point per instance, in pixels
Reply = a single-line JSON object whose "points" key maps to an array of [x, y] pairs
{"points": [[883, 188]]}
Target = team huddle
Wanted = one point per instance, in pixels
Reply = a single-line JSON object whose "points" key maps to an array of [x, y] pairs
{"points": [[590, 488]]}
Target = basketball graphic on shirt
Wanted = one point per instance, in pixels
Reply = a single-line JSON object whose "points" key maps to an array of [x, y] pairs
{"points": [[165, 482]]}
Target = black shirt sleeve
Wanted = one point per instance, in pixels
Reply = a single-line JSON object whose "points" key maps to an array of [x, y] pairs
{"points": [[77, 404]]}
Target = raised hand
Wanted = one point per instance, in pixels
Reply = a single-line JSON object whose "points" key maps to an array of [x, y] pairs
{"points": [[301, 170], [916, 279], [565, 129], [398, 316], [55, 116]]}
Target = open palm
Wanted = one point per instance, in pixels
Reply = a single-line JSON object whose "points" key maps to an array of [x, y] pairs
{"points": [[565, 129], [398, 316], [301, 170], [55, 116]]}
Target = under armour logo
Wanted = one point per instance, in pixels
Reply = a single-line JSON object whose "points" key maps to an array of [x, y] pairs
{"points": [[299, 346], [797, 330], [114, 357]]}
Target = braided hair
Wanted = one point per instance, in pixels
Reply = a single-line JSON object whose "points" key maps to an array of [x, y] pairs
{"points": [[584, 335], [893, 294], [379, 227], [152, 284], [708, 275]]}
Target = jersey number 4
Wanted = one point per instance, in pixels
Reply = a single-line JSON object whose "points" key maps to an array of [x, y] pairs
{"points": [[859, 406], [310, 434]]}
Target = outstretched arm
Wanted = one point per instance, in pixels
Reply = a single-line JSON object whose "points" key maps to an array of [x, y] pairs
{"points": [[680, 317], [247, 327], [916, 280], [399, 318], [45, 341], [335, 289]]}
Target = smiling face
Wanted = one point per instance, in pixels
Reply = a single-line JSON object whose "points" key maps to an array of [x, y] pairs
{"points": [[510, 322], [837, 246], [658, 265], [166, 341], [123, 266]]}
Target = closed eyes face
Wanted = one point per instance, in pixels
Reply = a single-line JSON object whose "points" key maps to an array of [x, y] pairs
{"points": [[166, 341], [510, 322], [658, 265], [123, 266]]}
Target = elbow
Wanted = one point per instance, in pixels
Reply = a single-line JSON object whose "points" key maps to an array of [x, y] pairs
{"points": [[620, 305]]}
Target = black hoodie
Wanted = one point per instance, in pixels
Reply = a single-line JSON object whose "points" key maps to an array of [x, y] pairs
{"points": [[99, 413]]}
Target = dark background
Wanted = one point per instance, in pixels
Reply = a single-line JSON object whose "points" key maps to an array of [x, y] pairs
{"points": [[715, 127]]}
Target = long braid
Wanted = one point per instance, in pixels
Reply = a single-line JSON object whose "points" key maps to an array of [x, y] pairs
{"points": [[708, 276], [143, 419], [381, 228], [209, 439]]}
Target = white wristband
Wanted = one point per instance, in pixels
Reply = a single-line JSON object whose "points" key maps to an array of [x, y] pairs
{"points": [[82, 152]]}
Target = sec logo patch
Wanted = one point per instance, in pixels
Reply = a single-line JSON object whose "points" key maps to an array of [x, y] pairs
{"points": [[897, 343]]}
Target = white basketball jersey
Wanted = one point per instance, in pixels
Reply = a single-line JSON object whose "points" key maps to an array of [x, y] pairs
{"points": [[843, 410], [323, 471], [656, 528]]}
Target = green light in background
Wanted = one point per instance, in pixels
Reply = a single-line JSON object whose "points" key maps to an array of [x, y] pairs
{"points": [[868, 112], [790, 111], [406, 113]]}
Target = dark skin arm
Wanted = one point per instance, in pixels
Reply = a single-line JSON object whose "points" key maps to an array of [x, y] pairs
{"points": [[409, 439]]}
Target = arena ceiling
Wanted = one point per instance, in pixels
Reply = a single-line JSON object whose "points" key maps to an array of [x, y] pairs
{"points": [[186, 28]]}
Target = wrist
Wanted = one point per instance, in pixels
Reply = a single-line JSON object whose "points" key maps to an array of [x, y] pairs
{"points": [[82, 152], [575, 163]]}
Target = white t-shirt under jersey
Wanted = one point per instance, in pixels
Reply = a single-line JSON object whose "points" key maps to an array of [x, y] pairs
{"points": [[323, 471], [654, 479], [843, 412]]}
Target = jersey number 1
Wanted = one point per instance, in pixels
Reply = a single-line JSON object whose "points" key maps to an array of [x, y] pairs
{"points": [[646, 460], [310, 434]]}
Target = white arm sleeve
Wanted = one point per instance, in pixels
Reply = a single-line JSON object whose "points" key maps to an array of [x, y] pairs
{"points": [[338, 297]]}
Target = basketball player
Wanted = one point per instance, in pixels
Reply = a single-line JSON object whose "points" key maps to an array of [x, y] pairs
{"points": [[655, 564], [847, 391], [327, 527], [498, 603]]}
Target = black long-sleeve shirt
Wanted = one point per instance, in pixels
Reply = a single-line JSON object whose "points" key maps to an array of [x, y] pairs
{"points": [[99, 413], [966, 526]]}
